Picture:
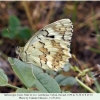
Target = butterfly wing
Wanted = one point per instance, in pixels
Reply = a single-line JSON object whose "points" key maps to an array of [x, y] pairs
{"points": [[49, 48]]}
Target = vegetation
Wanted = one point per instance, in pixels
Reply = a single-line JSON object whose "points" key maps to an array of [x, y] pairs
{"points": [[20, 20]]}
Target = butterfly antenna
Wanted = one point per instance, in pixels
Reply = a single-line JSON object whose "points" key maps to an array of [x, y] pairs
{"points": [[10, 39]]}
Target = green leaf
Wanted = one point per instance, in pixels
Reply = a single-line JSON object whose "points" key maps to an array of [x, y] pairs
{"points": [[45, 83], [63, 80], [35, 91], [3, 78], [5, 33], [67, 67], [24, 33], [97, 84], [22, 90], [14, 22], [15, 29], [13, 33], [51, 72], [23, 71]]}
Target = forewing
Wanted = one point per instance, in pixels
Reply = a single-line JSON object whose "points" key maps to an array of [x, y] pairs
{"points": [[60, 30]]}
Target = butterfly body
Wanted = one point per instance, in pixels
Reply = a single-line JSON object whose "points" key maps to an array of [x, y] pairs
{"points": [[49, 47]]}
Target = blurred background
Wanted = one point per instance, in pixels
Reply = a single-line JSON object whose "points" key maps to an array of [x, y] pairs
{"points": [[23, 19]]}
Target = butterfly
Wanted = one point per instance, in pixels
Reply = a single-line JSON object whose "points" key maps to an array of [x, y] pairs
{"points": [[49, 48]]}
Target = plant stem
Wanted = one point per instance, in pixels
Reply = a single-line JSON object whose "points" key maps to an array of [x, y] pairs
{"points": [[85, 86], [28, 13]]}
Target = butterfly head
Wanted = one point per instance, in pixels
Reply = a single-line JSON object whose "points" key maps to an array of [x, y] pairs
{"points": [[21, 53], [19, 50]]}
